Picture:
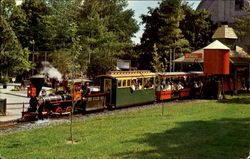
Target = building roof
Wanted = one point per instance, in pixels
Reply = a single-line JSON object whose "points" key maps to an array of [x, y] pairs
{"points": [[217, 45], [188, 60], [237, 56], [224, 32], [198, 51]]}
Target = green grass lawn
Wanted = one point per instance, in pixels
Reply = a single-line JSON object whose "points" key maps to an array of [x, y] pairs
{"points": [[201, 130]]}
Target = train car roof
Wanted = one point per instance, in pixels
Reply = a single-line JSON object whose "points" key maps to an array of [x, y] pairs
{"points": [[180, 74], [79, 80], [129, 74], [38, 76]]}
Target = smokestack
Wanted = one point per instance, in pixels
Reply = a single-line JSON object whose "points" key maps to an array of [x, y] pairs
{"points": [[37, 81]]}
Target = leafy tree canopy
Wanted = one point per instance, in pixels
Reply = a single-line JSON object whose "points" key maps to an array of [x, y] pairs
{"points": [[162, 28], [105, 29], [87, 31], [14, 60], [242, 29], [171, 26], [197, 27]]}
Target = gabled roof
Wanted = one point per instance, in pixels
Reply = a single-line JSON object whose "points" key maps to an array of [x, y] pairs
{"points": [[188, 60], [239, 56], [217, 45], [224, 32], [198, 51]]}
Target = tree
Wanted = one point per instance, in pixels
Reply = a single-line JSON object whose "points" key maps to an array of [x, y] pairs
{"points": [[242, 24], [36, 13], [16, 18], [162, 28], [62, 13], [90, 29], [8, 6], [158, 66], [14, 59], [242, 28], [197, 27], [172, 25], [105, 31]]}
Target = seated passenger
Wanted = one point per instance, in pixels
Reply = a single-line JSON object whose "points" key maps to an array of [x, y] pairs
{"points": [[195, 84], [180, 86], [168, 87], [163, 86], [86, 90], [158, 87], [175, 86], [147, 85], [139, 86], [151, 84], [133, 86]]}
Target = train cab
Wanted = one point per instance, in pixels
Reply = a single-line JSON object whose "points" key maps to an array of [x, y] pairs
{"points": [[173, 85], [89, 94], [128, 87]]}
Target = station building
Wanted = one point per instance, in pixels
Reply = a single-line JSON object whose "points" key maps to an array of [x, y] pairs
{"points": [[223, 36], [225, 11]]}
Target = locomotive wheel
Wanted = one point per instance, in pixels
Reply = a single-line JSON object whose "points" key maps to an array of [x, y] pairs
{"points": [[59, 110], [68, 109]]}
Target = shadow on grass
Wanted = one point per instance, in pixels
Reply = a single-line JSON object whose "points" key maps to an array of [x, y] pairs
{"points": [[238, 100], [217, 139]]}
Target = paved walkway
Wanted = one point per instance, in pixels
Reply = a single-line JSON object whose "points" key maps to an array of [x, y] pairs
{"points": [[15, 101]]}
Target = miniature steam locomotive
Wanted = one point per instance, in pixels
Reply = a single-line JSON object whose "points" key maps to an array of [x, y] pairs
{"points": [[67, 97]]}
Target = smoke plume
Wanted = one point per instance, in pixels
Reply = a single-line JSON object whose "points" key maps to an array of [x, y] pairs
{"points": [[51, 71]]}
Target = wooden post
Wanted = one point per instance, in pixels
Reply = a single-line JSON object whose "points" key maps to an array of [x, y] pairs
{"points": [[23, 106], [248, 81], [222, 83], [162, 109], [235, 81]]}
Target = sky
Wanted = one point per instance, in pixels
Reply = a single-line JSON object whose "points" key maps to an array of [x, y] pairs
{"points": [[141, 7]]}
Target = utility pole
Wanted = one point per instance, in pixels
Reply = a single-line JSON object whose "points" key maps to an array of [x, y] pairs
{"points": [[170, 61], [174, 56], [33, 56]]}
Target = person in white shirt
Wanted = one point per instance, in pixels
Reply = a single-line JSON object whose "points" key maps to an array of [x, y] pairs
{"points": [[180, 86], [133, 86]]}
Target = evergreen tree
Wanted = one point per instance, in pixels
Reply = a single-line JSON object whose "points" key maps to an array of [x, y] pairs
{"points": [[105, 30], [13, 59], [158, 66], [162, 27], [36, 13], [242, 28], [91, 29], [171, 26], [197, 27], [16, 18]]}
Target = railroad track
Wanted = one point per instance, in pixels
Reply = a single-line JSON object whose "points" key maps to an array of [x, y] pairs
{"points": [[8, 124], [16, 123]]}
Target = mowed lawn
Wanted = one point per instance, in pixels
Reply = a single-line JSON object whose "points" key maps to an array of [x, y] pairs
{"points": [[200, 130]]}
